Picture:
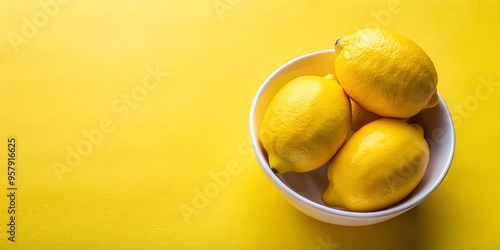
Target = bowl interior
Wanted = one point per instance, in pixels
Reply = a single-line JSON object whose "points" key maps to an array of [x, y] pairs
{"points": [[436, 122]]}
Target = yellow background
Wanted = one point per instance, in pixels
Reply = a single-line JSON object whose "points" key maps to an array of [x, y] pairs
{"points": [[70, 74]]}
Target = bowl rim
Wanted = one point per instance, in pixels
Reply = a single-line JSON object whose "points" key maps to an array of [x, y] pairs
{"points": [[330, 210]]}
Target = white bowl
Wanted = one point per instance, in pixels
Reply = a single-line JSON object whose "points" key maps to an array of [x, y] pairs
{"points": [[304, 190]]}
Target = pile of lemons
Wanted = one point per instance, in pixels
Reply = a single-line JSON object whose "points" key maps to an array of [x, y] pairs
{"points": [[381, 79]]}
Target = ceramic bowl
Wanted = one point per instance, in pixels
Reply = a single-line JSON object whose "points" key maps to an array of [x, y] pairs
{"points": [[304, 190]]}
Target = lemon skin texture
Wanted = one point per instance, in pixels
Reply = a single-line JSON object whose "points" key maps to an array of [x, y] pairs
{"points": [[305, 124], [378, 166], [386, 73], [361, 116]]}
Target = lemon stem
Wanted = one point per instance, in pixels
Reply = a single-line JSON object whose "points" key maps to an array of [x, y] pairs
{"points": [[338, 40]]}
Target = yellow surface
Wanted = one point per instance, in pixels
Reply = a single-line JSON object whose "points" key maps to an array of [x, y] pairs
{"points": [[163, 90]]}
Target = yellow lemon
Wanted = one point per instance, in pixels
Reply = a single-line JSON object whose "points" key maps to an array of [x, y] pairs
{"points": [[386, 73], [305, 124], [378, 166], [361, 116]]}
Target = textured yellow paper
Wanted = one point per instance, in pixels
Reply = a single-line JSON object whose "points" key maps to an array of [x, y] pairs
{"points": [[130, 119]]}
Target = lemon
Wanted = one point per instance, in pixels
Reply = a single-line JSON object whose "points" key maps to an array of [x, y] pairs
{"points": [[305, 124], [386, 73], [379, 165], [361, 116]]}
